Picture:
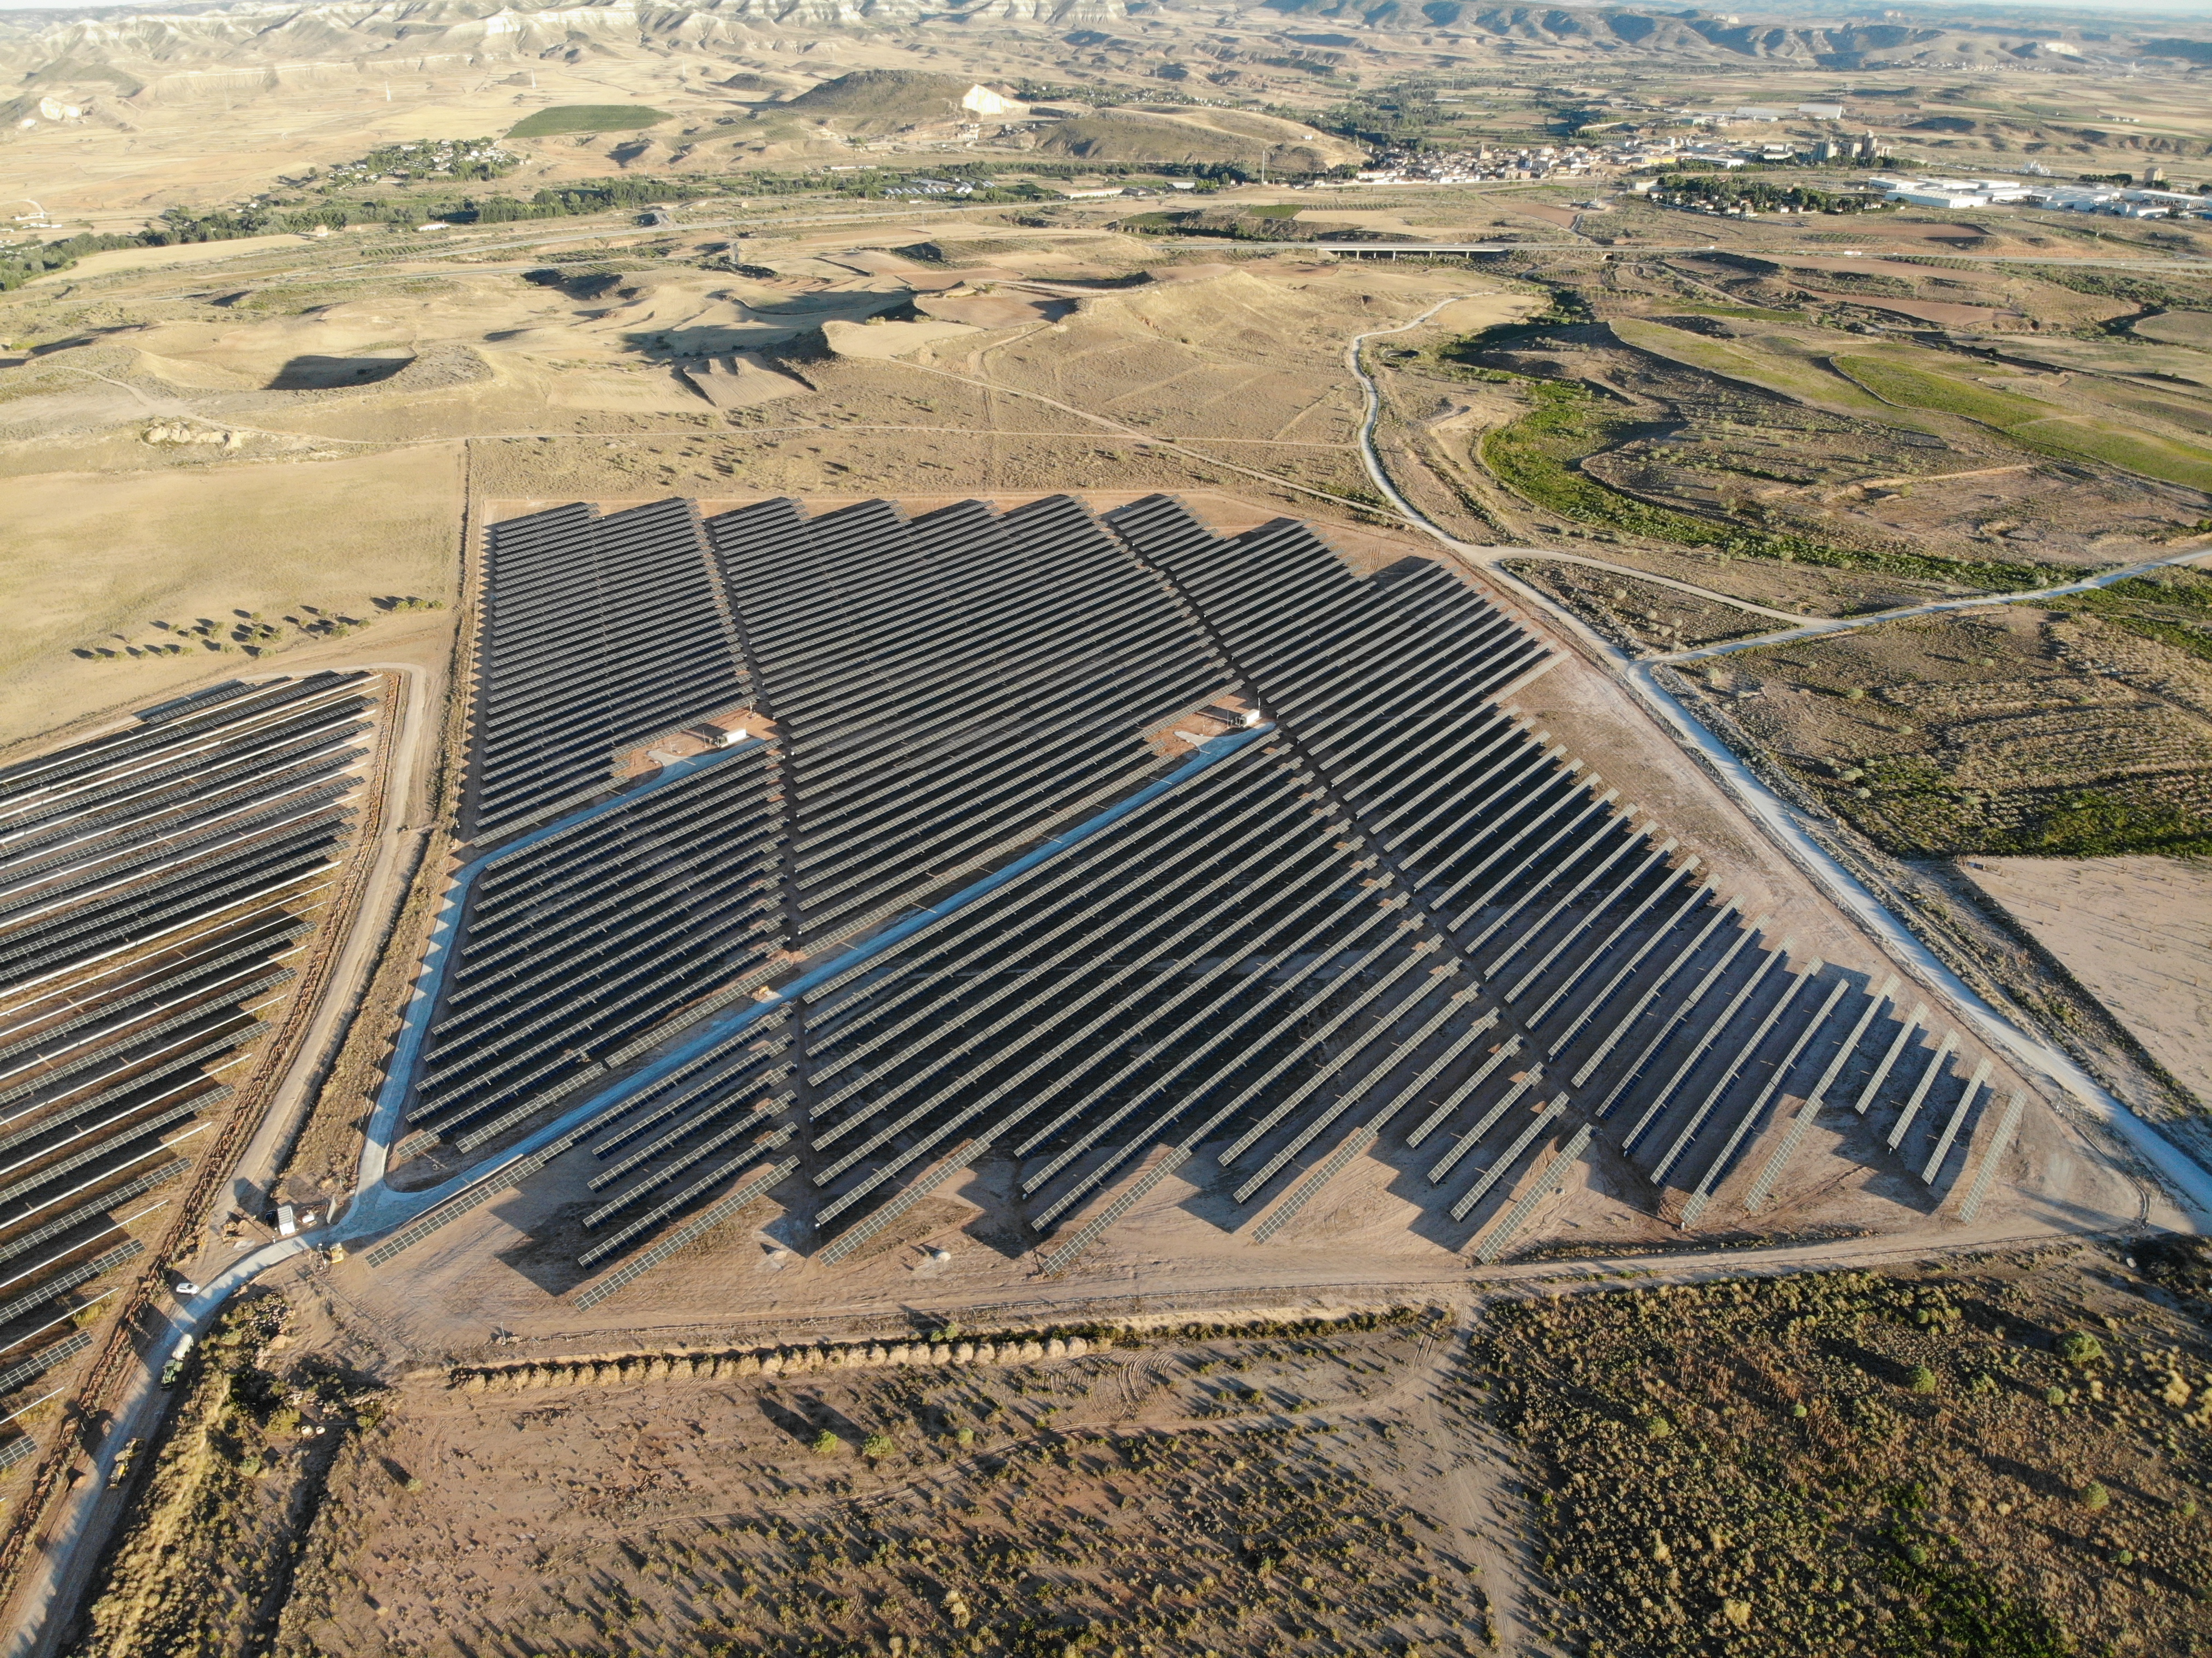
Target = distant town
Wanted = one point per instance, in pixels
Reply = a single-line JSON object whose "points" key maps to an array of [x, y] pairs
{"points": [[2117, 194]]}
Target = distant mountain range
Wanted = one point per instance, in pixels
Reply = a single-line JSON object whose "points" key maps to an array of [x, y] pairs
{"points": [[153, 54]]}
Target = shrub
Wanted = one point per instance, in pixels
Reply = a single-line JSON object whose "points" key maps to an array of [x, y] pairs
{"points": [[2095, 1495], [826, 1443], [2082, 1349], [874, 1445]]}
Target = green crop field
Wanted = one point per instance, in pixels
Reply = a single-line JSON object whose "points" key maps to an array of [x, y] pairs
{"points": [[587, 118], [2147, 452]]}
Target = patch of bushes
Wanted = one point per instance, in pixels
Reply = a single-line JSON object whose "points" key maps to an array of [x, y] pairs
{"points": [[1535, 456]]}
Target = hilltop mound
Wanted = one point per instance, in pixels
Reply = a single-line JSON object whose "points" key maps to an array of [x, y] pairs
{"points": [[1198, 136], [883, 100], [587, 118]]}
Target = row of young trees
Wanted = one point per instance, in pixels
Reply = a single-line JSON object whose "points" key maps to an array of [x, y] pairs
{"points": [[1723, 191]]}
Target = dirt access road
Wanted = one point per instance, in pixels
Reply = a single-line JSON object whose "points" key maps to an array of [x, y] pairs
{"points": [[57, 1578], [1781, 822]]}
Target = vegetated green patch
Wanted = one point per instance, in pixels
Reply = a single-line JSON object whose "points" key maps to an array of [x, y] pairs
{"points": [[1747, 312], [2172, 605], [426, 159], [2098, 824], [337, 203], [1534, 455], [2147, 453], [1916, 809], [2031, 423], [1720, 192], [2068, 740], [1771, 366], [1563, 307], [1949, 1466], [587, 118], [23, 261], [1916, 388]]}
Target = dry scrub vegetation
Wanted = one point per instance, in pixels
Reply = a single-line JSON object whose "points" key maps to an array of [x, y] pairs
{"points": [[205, 1562], [2003, 1460], [2012, 730], [1262, 1489], [1634, 614]]}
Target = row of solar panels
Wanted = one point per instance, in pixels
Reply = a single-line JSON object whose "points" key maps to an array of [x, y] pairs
{"points": [[152, 882], [1396, 920]]}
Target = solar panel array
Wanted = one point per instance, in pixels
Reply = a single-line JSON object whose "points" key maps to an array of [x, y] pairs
{"points": [[578, 941], [598, 635], [944, 687], [1393, 921], [152, 886]]}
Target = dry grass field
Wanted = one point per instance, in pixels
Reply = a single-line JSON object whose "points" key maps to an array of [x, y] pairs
{"points": [[111, 575]]}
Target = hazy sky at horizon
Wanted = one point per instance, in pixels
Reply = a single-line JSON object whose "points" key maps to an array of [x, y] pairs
{"points": [[2192, 10]]}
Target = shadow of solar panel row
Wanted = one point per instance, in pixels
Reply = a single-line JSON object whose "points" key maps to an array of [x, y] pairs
{"points": [[574, 944], [146, 881], [944, 686], [598, 633]]}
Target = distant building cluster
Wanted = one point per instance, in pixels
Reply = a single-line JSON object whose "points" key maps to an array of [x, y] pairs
{"points": [[1483, 163], [1623, 154], [2145, 200], [932, 187], [425, 158]]}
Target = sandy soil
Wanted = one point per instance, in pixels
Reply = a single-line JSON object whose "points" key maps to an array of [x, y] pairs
{"points": [[93, 561], [2137, 931]]}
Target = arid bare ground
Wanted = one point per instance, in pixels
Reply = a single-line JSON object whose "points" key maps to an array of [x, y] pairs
{"points": [[2137, 932], [1219, 1487], [345, 497]]}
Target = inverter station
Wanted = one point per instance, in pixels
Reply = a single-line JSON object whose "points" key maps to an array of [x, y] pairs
{"points": [[1099, 850]]}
